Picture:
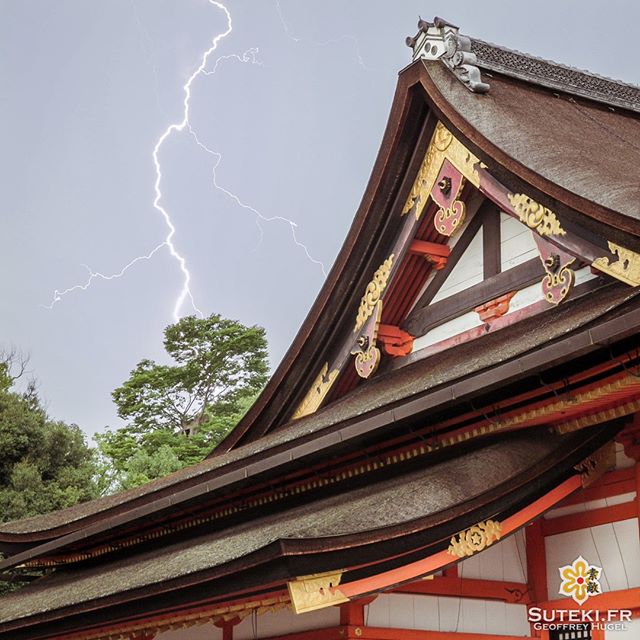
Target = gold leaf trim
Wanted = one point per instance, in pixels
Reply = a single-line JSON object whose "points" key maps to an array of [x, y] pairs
{"points": [[443, 145], [535, 215], [626, 268], [316, 591], [475, 539], [317, 392], [373, 292]]}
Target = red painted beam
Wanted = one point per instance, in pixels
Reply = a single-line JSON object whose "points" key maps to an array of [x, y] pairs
{"points": [[611, 484], [593, 518], [469, 588], [424, 248]]}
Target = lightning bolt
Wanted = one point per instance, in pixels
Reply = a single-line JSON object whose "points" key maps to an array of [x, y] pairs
{"points": [[178, 127], [324, 43], [259, 216], [249, 56], [96, 275]]}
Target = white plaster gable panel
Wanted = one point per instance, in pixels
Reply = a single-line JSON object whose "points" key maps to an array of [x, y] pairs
{"points": [[516, 242], [434, 613], [614, 547], [452, 328], [466, 273]]}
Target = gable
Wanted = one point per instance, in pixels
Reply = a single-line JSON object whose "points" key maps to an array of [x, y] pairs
{"points": [[427, 184]]}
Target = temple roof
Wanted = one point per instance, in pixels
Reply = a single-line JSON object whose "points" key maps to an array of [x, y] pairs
{"points": [[395, 509], [382, 393], [554, 75], [566, 141], [475, 426]]}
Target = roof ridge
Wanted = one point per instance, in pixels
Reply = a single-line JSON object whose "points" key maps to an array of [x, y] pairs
{"points": [[556, 75]]}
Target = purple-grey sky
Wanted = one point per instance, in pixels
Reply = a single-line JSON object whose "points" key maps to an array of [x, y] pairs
{"points": [[296, 109]]}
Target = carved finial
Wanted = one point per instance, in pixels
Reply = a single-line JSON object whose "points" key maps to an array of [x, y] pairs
{"points": [[441, 40]]}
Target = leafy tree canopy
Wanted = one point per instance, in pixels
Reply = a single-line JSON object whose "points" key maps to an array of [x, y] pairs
{"points": [[177, 413], [44, 464]]}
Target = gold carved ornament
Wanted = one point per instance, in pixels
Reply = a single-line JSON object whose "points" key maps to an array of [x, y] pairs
{"points": [[368, 320], [475, 539], [537, 217], [316, 591], [373, 292], [443, 145], [317, 392], [626, 268]]}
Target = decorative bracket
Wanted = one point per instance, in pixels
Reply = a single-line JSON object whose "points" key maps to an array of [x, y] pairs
{"points": [[558, 282], [536, 216], [395, 341], [625, 268], [593, 466], [476, 538], [368, 320], [317, 591], [495, 308], [433, 252], [366, 353], [441, 40], [445, 193], [317, 392], [443, 146]]}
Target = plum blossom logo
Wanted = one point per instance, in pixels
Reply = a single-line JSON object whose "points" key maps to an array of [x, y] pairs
{"points": [[580, 580]]}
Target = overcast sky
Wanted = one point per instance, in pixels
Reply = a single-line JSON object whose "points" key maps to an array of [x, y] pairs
{"points": [[297, 115]]}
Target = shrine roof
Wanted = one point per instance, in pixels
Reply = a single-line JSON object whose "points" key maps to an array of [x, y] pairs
{"points": [[387, 510], [437, 372], [566, 141]]}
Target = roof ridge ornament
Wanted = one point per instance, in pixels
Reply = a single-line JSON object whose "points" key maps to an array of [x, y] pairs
{"points": [[441, 40]]}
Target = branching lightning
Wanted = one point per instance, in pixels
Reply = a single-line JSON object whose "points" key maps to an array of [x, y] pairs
{"points": [[249, 56], [323, 43], [96, 275]]}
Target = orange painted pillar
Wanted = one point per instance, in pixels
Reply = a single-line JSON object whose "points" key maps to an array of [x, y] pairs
{"points": [[637, 468], [536, 561]]}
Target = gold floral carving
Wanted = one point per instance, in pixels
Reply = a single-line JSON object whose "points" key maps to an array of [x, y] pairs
{"points": [[476, 538], [317, 392], [373, 292], [443, 145], [536, 216], [593, 466], [317, 591], [625, 268]]}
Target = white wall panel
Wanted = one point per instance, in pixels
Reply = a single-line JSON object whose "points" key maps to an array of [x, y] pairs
{"points": [[284, 621], [613, 546], [206, 631], [433, 613], [505, 560], [466, 273], [516, 242]]}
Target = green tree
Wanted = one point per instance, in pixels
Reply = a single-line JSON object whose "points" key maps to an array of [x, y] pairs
{"points": [[177, 413], [44, 464]]}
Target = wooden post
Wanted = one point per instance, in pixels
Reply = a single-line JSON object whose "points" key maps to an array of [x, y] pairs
{"points": [[536, 561]]}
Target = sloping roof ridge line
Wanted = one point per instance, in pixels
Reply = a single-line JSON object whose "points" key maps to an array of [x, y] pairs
{"points": [[555, 75]]}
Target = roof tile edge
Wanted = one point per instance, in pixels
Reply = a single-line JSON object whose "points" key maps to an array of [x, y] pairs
{"points": [[440, 40], [554, 75]]}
